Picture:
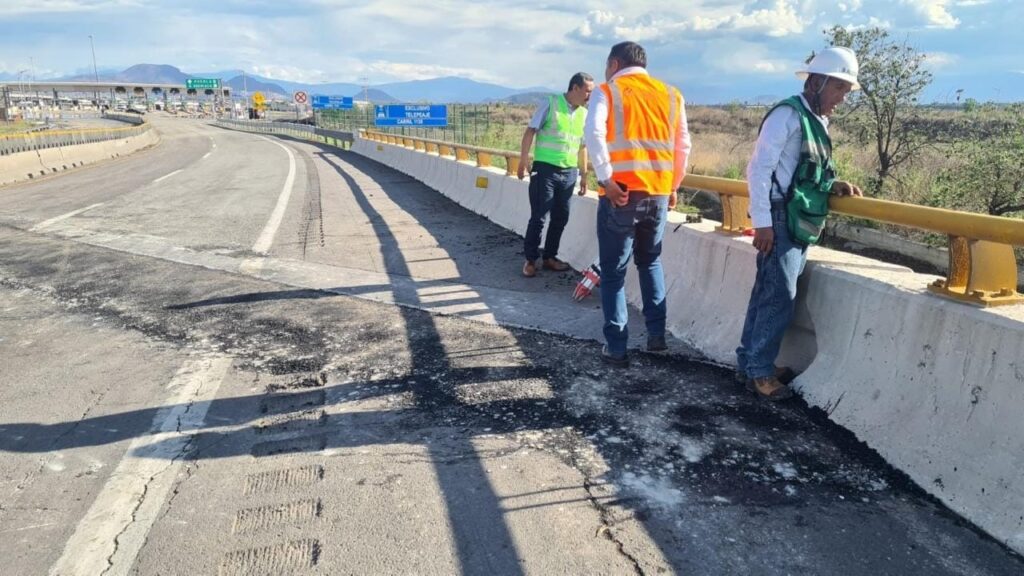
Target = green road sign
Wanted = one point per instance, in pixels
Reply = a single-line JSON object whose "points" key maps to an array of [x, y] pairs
{"points": [[202, 83]]}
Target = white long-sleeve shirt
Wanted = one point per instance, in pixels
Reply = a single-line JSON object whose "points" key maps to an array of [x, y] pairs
{"points": [[778, 151], [596, 131]]}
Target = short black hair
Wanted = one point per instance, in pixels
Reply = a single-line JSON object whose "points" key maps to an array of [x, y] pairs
{"points": [[629, 54], [579, 79]]}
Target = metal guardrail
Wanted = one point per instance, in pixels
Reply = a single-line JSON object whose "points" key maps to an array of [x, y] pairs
{"points": [[290, 129], [30, 141], [982, 265]]}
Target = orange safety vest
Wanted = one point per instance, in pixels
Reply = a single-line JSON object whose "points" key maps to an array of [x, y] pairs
{"points": [[643, 116]]}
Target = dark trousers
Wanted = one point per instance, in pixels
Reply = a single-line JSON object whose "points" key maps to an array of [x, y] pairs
{"points": [[550, 191]]}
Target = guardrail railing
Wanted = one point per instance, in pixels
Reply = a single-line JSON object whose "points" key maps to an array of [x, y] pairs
{"points": [[982, 265], [290, 129], [29, 141]]}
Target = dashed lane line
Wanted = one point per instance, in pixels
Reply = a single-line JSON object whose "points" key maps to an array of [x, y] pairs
{"points": [[47, 223]]}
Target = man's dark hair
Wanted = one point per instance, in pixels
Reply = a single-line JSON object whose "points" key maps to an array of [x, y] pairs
{"points": [[629, 54], [579, 79]]}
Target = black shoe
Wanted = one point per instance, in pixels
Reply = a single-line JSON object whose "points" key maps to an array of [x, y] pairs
{"points": [[657, 344], [614, 359]]}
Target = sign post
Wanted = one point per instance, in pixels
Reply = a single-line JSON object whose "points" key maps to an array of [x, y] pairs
{"points": [[332, 102], [414, 115], [300, 98]]}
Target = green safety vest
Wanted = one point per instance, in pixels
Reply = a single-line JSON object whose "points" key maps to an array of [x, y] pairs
{"points": [[807, 197], [560, 136]]}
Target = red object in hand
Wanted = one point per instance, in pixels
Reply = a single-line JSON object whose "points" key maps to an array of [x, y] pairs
{"points": [[748, 232], [591, 279]]}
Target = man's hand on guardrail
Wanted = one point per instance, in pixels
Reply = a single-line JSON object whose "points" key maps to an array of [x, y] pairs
{"points": [[764, 239], [843, 188]]}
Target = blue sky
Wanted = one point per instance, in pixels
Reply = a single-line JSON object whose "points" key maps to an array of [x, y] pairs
{"points": [[714, 50]]}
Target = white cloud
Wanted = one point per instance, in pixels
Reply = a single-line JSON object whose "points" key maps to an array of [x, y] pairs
{"points": [[15, 7], [743, 58], [940, 60], [934, 12]]}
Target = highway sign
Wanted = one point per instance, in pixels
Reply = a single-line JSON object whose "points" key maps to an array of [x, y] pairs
{"points": [[332, 102], [202, 83], [411, 115], [301, 97]]}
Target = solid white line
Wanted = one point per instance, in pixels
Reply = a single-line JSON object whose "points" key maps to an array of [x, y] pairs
{"points": [[262, 245], [207, 155], [47, 223], [112, 532], [166, 176]]}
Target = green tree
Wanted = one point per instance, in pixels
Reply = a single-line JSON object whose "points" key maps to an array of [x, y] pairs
{"points": [[892, 76], [991, 176]]}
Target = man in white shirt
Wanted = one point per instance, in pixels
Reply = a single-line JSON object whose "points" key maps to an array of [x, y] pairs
{"points": [[790, 177], [637, 138]]}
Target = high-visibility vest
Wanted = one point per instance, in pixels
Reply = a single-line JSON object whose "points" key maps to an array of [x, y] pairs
{"points": [[643, 116], [560, 136], [807, 197]]}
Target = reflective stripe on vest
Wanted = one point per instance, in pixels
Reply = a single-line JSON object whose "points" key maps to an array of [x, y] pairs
{"points": [[642, 152], [561, 134]]}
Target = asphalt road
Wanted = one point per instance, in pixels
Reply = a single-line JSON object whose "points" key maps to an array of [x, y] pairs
{"points": [[232, 354]]}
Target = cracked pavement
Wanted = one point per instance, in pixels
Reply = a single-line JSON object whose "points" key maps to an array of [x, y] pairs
{"points": [[351, 434]]}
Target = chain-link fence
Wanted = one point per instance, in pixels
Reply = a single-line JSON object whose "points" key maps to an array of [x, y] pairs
{"points": [[497, 125]]}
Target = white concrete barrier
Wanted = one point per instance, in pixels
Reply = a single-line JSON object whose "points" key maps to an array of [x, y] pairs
{"points": [[936, 387], [34, 164]]}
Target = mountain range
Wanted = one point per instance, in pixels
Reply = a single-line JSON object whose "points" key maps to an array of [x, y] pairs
{"points": [[451, 89]]}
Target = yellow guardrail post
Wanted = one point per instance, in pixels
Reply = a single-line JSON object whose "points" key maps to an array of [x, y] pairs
{"points": [[461, 154], [734, 197], [483, 159], [511, 164], [982, 266]]}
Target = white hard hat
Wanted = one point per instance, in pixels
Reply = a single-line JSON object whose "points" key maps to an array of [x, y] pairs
{"points": [[835, 61]]}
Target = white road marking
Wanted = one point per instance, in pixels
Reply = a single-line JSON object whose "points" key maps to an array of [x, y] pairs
{"points": [[110, 535], [263, 243], [207, 155], [166, 176], [47, 223]]}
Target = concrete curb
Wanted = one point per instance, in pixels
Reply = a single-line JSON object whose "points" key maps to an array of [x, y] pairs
{"points": [[36, 164]]}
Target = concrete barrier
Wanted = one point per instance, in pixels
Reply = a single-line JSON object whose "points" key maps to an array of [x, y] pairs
{"points": [[32, 164], [936, 387]]}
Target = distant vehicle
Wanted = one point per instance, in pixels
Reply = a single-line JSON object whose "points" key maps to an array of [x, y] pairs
{"points": [[139, 108]]}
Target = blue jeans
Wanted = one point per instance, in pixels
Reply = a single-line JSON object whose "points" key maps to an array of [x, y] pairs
{"points": [[634, 229], [772, 300], [550, 191]]}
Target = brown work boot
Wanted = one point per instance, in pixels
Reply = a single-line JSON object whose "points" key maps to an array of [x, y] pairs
{"points": [[529, 269], [555, 264], [770, 388]]}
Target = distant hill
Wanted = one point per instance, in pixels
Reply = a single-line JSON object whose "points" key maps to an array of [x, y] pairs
{"points": [[240, 85], [528, 98], [450, 89]]}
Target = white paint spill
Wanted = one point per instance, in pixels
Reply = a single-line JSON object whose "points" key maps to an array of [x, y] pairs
{"points": [[658, 492]]}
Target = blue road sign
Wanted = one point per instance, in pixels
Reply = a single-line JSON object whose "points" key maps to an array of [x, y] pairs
{"points": [[332, 102], [411, 115]]}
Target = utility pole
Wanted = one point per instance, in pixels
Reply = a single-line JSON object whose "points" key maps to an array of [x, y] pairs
{"points": [[95, 72]]}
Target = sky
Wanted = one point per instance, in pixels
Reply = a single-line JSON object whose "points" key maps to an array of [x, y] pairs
{"points": [[713, 50]]}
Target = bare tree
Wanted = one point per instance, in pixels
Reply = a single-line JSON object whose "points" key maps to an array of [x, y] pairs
{"points": [[892, 77]]}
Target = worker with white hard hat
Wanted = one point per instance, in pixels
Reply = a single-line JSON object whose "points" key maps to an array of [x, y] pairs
{"points": [[790, 177]]}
